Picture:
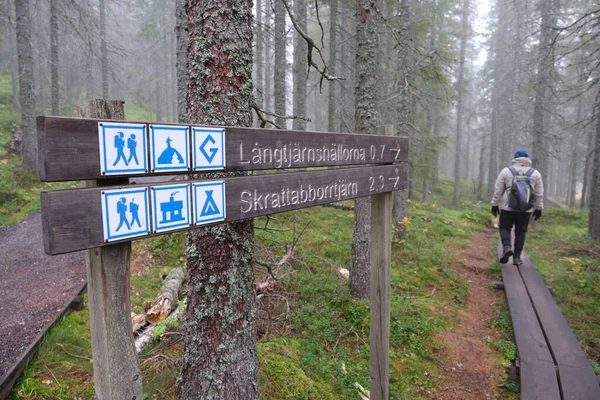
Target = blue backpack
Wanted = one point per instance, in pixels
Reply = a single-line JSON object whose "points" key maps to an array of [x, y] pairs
{"points": [[521, 196]]}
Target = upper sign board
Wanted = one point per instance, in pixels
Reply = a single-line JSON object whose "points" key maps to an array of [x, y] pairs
{"points": [[77, 149]]}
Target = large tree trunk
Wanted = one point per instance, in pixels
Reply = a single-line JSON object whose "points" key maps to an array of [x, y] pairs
{"points": [[27, 91], [367, 67], [333, 17], [280, 63], [103, 49], [220, 355], [300, 66], [461, 99]]}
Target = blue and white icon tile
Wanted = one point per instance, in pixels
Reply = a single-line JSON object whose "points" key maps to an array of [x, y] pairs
{"points": [[123, 148], [209, 202], [125, 213], [209, 148], [171, 208], [169, 148]]}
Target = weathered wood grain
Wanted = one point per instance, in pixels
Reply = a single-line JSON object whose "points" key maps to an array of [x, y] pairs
{"points": [[577, 378], [538, 377], [72, 219], [117, 374], [380, 276], [69, 149], [381, 259]]}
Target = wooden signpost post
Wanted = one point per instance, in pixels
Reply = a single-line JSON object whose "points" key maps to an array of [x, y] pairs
{"points": [[102, 216]]}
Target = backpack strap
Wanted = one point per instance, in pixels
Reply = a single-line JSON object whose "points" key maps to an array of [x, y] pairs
{"points": [[530, 172], [514, 171]]}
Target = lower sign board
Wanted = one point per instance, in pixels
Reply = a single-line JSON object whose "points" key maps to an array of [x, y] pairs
{"points": [[73, 219]]}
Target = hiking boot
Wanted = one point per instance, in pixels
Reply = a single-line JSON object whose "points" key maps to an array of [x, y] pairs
{"points": [[517, 260], [506, 254]]}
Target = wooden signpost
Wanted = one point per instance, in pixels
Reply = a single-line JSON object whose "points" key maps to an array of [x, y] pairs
{"points": [[104, 216]]}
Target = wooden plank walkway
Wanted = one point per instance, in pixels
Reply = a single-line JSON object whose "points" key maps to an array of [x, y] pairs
{"points": [[552, 363]]}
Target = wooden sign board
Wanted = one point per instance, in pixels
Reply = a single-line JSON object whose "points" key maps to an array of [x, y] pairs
{"points": [[82, 149], [77, 219]]}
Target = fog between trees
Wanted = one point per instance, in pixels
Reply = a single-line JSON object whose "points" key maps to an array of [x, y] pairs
{"points": [[468, 88]]}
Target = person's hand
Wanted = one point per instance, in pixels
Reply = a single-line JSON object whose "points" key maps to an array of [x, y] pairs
{"points": [[537, 214], [495, 211]]}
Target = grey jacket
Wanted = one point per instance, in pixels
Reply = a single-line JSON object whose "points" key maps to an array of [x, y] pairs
{"points": [[504, 182]]}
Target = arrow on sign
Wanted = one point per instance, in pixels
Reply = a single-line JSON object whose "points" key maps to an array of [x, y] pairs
{"points": [[213, 150]]}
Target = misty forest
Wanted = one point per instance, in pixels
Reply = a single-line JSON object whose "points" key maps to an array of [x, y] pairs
{"points": [[469, 82]]}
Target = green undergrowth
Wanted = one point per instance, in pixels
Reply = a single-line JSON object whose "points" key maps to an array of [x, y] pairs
{"points": [[569, 262], [319, 349], [19, 189], [63, 367]]}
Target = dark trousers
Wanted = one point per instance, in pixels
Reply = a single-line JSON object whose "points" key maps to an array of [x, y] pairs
{"points": [[520, 220]]}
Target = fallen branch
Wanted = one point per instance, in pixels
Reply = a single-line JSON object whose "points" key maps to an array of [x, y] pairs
{"points": [[158, 309], [62, 346], [138, 321], [146, 337]]}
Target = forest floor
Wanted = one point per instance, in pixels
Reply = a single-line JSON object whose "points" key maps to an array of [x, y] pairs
{"points": [[472, 371]]}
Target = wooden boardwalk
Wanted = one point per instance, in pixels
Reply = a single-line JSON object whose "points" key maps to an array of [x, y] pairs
{"points": [[552, 363]]}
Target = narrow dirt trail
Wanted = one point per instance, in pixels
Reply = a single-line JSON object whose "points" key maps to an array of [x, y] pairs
{"points": [[34, 287], [470, 369]]}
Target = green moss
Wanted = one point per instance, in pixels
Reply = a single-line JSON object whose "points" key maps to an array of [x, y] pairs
{"points": [[281, 377]]}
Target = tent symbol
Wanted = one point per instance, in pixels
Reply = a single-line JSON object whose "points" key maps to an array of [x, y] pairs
{"points": [[209, 207]]}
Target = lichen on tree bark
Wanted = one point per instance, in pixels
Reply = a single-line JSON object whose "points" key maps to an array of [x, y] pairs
{"points": [[214, 70]]}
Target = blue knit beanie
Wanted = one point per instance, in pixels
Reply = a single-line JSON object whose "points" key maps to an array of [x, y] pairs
{"points": [[521, 153]]}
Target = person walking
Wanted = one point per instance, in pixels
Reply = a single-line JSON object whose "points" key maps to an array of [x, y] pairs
{"points": [[508, 190], [120, 145], [122, 211], [132, 146]]}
